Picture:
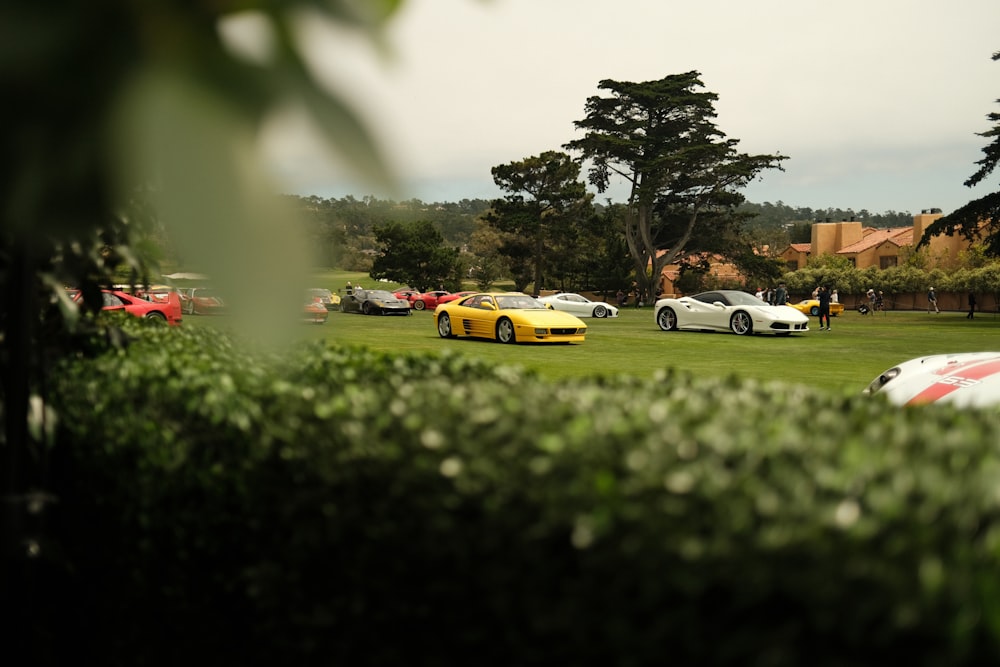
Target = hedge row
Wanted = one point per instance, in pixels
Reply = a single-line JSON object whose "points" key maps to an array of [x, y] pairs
{"points": [[343, 507]]}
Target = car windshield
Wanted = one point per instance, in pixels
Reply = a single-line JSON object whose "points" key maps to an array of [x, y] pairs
{"points": [[380, 294], [517, 302]]}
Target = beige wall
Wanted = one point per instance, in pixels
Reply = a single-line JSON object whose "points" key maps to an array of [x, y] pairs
{"points": [[829, 237]]}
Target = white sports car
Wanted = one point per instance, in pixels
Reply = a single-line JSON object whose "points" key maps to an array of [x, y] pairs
{"points": [[966, 379], [728, 310], [580, 306]]}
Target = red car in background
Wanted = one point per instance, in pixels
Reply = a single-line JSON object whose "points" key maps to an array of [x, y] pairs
{"points": [[168, 311], [452, 297], [406, 294], [202, 301], [428, 299]]}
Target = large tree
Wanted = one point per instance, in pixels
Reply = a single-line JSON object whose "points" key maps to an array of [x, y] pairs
{"points": [[979, 220], [545, 202], [684, 174], [414, 254]]}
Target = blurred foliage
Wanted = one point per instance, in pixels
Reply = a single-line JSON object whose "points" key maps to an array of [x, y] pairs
{"points": [[259, 510]]}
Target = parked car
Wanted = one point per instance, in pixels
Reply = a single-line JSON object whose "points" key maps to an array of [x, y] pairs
{"points": [[811, 307], [374, 302], [967, 379], [324, 297], [454, 296], [158, 293], [202, 301], [168, 311], [406, 294], [315, 312], [507, 317], [427, 300], [579, 305], [728, 310]]}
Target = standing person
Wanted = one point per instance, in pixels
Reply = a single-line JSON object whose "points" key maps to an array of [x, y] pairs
{"points": [[823, 296], [880, 301], [350, 288], [972, 305], [622, 298], [781, 295], [871, 298], [834, 297], [932, 301]]}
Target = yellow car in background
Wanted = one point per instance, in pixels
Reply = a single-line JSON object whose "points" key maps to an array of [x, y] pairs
{"points": [[507, 317], [811, 307]]}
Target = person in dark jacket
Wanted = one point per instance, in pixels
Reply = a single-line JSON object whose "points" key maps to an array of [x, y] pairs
{"points": [[823, 296], [972, 305]]}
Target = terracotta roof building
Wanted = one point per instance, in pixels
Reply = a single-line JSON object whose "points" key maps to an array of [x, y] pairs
{"points": [[869, 246]]}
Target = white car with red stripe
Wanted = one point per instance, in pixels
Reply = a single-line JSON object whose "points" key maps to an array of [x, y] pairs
{"points": [[967, 379]]}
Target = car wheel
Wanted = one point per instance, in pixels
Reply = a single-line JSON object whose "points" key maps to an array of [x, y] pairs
{"points": [[740, 323], [444, 326], [600, 311], [157, 317], [419, 305], [505, 331], [667, 319], [343, 307], [814, 311], [366, 308]]}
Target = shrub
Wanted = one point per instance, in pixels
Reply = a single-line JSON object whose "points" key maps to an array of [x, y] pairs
{"points": [[339, 506]]}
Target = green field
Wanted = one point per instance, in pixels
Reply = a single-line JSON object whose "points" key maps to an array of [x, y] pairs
{"points": [[843, 360]]}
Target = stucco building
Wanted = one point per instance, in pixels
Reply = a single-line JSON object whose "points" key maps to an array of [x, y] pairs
{"points": [[869, 246]]}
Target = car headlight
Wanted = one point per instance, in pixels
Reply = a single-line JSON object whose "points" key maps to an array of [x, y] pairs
{"points": [[882, 380]]}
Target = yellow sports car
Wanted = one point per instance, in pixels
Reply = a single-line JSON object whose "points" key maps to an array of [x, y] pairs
{"points": [[508, 317], [811, 307]]}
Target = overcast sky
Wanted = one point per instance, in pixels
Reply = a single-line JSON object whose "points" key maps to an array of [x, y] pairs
{"points": [[876, 102]]}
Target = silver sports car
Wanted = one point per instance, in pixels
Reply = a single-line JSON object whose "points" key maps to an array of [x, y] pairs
{"points": [[967, 379], [728, 310]]}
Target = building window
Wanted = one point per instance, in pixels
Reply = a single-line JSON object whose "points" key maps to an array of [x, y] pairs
{"points": [[886, 262], [792, 266]]}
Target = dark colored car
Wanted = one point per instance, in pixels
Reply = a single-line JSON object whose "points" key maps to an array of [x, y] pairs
{"points": [[374, 302]]}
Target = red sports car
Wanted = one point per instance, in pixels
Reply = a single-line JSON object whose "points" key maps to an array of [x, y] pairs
{"points": [[406, 294], [447, 298], [315, 312], [168, 311], [428, 299], [202, 301]]}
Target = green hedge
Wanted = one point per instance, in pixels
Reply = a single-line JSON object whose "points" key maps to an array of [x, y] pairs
{"points": [[342, 507]]}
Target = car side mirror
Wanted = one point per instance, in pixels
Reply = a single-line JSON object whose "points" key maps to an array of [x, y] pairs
{"points": [[487, 306], [719, 304]]}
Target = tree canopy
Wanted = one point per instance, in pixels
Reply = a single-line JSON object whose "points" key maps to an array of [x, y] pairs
{"points": [[414, 254], [979, 220], [683, 173], [544, 205]]}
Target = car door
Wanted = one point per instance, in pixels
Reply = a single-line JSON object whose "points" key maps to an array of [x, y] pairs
{"points": [[477, 316], [574, 304], [705, 314]]}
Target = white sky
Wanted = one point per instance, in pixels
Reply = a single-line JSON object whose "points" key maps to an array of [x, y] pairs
{"points": [[876, 102]]}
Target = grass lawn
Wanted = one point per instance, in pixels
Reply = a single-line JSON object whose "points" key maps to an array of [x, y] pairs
{"points": [[843, 360]]}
